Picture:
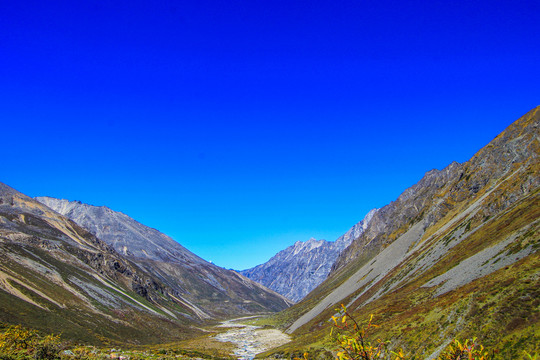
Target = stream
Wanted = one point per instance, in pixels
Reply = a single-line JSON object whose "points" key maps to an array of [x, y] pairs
{"points": [[250, 340]]}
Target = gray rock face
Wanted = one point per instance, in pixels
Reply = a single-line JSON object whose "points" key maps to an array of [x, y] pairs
{"points": [[72, 280], [357, 230], [453, 231], [128, 236], [437, 192], [298, 269]]}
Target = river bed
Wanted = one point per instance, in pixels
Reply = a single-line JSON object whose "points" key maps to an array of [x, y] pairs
{"points": [[249, 339]]}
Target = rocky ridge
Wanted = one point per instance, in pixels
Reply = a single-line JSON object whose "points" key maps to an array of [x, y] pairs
{"points": [[455, 255], [209, 289], [298, 269], [128, 236], [439, 190], [57, 276]]}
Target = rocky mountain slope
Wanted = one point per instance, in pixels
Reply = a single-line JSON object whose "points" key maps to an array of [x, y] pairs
{"points": [[126, 235], [298, 269], [209, 290], [456, 255], [56, 276]]}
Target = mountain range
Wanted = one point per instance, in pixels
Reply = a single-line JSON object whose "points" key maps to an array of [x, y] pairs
{"points": [[211, 290], [454, 256], [58, 276], [298, 269]]}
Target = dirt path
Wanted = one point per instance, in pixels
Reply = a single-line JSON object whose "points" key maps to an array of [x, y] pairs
{"points": [[250, 340]]}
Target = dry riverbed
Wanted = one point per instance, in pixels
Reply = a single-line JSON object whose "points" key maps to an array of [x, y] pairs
{"points": [[250, 340]]}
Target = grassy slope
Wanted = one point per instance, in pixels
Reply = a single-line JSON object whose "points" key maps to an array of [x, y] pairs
{"points": [[501, 309], [75, 319], [54, 264]]}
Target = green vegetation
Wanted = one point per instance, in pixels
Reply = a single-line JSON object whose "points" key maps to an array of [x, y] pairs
{"points": [[85, 320], [355, 343], [500, 309], [18, 343], [350, 339]]}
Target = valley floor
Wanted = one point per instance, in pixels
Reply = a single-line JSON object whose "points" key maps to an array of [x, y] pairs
{"points": [[250, 340], [232, 339]]}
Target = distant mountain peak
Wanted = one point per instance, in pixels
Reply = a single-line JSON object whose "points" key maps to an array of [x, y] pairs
{"points": [[296, 270], [357, 230], [459, 246], [307, 246]]}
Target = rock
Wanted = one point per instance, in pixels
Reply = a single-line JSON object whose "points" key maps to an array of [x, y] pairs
{"points": [[298, 269]]}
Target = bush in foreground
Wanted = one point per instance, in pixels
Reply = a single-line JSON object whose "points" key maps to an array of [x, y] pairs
{"points": [[18, 343], [354, 344]]}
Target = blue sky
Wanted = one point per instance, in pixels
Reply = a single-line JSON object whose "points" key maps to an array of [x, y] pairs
{"points": [[239, 128]]}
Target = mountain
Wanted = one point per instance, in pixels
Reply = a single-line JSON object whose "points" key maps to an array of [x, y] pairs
{"points": [[357, 230], [454, 256], [209, 290], [126, 235], [298, 269], [57, 277]]}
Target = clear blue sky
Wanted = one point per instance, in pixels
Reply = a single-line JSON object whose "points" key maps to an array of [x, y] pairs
{"points": [[240, 127]]}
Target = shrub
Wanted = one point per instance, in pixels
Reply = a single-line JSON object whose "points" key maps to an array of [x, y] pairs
{"points": [[17, 342], [466, 350], [352, 339], [354, 344], [16, 339]]}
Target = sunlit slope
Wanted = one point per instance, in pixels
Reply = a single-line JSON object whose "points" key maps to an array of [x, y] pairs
{"points": [[455, 255], [209, 290], [57, 277]]}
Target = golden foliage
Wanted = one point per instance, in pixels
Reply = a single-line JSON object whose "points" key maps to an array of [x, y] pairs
{"points": [[354, 344]]}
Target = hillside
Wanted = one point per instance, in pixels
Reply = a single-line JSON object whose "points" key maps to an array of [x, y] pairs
{"points": [[55, 276], [456, 255], [211, 291]]}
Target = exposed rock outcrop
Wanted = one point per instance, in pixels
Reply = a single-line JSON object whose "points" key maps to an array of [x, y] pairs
{"points": [[57, 276], [210, 289], [455, 256], [298, 269]]}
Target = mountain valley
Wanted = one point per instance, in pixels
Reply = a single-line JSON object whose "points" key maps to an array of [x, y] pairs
{"points": [[455, 256], [58, 277]]}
